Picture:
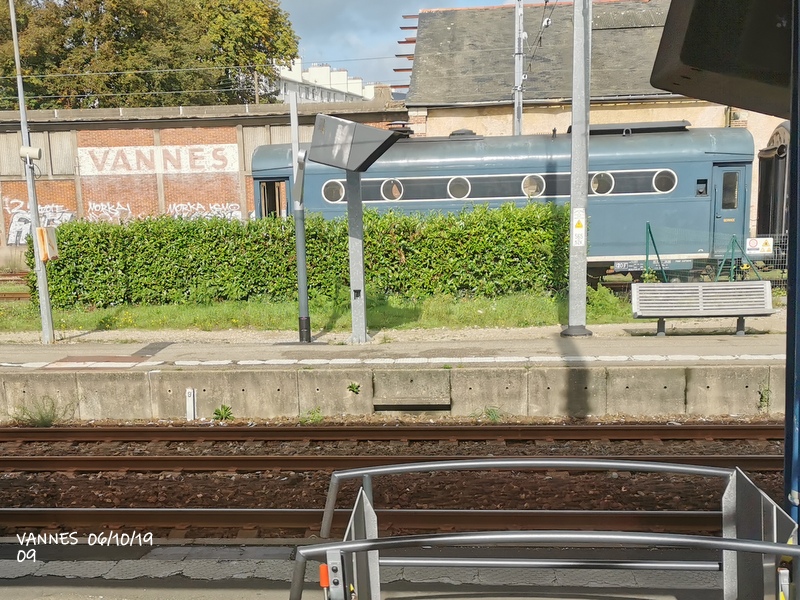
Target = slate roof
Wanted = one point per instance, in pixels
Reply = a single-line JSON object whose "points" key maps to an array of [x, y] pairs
{"points": [[465, 56]]}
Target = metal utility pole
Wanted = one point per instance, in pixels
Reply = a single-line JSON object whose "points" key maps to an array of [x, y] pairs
{"points": [[355, 233], [298, 171], [579, 179], [519, 53], [28, 153], [791, 478]]}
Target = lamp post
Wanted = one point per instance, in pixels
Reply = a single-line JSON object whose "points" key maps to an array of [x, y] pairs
{"points": [[353, 147], [28, 154]]}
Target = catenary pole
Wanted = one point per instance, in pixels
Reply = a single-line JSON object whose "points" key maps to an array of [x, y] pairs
{"points": [[41, 273], [579, 178], [518, 56]]}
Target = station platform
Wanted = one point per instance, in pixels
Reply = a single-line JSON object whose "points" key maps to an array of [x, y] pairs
{"points": [[699, 367], [711, 340], [264, 572]]}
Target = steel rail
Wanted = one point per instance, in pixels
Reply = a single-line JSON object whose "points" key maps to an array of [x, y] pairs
{"points": [[14, 296], [394, 519], [483, 432], [250, 463]]}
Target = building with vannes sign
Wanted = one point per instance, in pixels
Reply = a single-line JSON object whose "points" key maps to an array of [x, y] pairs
{"points": [[118, 164]]}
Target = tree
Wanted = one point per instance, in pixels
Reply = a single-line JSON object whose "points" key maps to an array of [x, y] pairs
{"points": [[115, 53], [257, 32]]}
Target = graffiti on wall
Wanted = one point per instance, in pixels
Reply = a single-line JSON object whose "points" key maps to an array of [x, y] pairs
{"points": [[149, 160], [19, 226], [200, 210], [113, 212]]}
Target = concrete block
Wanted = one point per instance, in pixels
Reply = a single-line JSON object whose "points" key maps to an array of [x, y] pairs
{"points": [[114, 395], [777, 390], [566, 391], [726, 389], [645, 391], [473, 390], [334, 391], [42, 391], [266, 394], [250, 393], [412, 387]]}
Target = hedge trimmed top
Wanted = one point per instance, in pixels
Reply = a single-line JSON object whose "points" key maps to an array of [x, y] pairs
{"points": [[164, 260]]}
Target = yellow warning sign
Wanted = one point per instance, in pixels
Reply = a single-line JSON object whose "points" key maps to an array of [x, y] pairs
{"points": [[578, 228], [759, 245]]}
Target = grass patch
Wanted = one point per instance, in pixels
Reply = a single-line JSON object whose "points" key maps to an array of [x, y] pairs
{"points": [[327, 314], [43, 412]]}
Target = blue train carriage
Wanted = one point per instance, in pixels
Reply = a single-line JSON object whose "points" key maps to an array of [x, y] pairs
{"points": [[690, 184]]}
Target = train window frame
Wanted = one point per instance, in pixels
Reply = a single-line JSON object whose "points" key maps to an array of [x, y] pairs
{"points": [[597, 178], [458, 179], [340, 185], [672, 174], [726, 203], [389, 182], [539, 179]]}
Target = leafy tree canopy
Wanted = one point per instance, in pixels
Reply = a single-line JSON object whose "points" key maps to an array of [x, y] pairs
{"points": [[140, 53]]}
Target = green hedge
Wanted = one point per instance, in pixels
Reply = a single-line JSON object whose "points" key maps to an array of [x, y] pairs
{"points": [[166, 260]]}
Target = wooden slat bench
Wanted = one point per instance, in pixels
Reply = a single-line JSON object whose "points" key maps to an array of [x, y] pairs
{"points": [[704, 299]]}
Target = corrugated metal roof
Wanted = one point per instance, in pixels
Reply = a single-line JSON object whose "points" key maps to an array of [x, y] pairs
{"points": [[466, 56]]}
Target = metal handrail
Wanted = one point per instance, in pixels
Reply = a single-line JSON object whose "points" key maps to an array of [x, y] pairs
{"points": [[585, 464], [753, 527], [559, 537]]}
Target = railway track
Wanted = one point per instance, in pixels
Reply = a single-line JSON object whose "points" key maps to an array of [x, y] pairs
{"points": [[307, 521], [237, 521], [13, 279], [14, 296], [251, 463], [409, 433]]}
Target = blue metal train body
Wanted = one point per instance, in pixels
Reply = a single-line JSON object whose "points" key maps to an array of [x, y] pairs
{"points": [[691, 185]]}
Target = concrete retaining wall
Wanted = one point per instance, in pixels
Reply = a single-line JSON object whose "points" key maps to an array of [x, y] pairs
{"points": [[527, 391]]}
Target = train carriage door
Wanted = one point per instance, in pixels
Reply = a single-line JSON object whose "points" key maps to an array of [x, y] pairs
{"points": [[272, 199], [729, 202]]}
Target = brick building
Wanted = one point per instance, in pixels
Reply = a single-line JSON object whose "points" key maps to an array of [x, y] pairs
{"points": [[116, 164]]}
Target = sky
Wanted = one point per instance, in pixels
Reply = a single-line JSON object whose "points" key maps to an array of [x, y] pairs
{"points": [[361, 35]]}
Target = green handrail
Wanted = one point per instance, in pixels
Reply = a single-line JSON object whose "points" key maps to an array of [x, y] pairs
{"points": [[648, 233], [731, 252]]}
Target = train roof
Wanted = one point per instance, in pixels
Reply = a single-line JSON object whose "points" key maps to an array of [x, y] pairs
{"points": [[465, 151]]}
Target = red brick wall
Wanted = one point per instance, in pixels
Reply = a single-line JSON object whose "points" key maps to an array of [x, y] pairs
{"points": [[135, 172]]}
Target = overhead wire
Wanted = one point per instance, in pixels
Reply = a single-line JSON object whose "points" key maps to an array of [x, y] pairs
{"points": [[538, 43]]}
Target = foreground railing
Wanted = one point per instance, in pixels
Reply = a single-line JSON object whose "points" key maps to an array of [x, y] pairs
{"points": [[756, 533]]}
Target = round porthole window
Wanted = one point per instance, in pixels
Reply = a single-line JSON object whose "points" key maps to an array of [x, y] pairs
{"points": [[665, 181], [333, 191], [533, 186], [602, 183], [392, 189], [458, 187]]}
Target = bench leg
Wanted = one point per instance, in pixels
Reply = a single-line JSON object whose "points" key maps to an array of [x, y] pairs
{"points": [[740, 326], [661, 328]]}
